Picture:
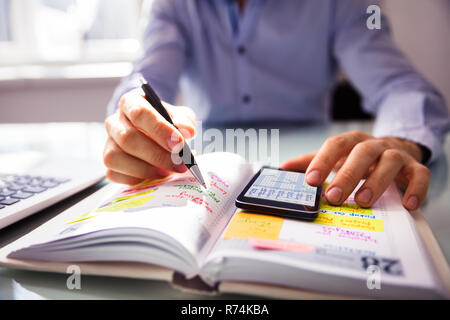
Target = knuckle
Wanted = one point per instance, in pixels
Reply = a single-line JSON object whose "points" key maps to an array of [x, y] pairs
{"points": [[109, 156], [384, 144], [347, 176], [136, 113], [338, 142], [367, 147], [110, 175], [359, 135], [423, 170], [123, 100], [393, 155], [125, 138], [159, 127], [159, 159], [381, 181]]}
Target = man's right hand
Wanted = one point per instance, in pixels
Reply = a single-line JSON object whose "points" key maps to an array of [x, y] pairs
{"points": [[140, 141]]}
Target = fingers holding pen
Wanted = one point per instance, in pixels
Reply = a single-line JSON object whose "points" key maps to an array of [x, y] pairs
{"points": [[146, 119], [135, 143]]}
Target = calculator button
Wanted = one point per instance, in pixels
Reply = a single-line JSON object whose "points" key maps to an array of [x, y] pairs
{"points": [[22, 181], [9, 201], [21, 195], [49, 184], [34, 189], [59, 180], [15, 187], [6, 193]]}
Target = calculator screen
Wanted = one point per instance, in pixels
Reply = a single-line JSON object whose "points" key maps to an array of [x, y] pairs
{"points": [[282, 186]]}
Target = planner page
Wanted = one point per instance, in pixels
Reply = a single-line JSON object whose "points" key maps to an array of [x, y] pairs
{"points": [[176, 207], [347, 241]]}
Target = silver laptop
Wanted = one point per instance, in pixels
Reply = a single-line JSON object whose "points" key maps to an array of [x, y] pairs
{"points": [[31, 181]]}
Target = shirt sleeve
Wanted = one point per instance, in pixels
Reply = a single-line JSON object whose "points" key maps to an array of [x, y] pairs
{"points": [[163, 58], [406, 105]]}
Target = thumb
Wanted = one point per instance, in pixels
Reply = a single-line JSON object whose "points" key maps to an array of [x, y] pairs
{"points": [[300, 163]]}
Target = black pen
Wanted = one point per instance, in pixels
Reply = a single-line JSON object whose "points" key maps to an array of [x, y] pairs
{"points": [[185, 154]]}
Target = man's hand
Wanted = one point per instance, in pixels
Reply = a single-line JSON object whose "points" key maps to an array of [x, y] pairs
{"points": [[357, 155], [140, 141]]}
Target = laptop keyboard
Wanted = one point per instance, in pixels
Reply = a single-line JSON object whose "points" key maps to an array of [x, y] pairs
{"points": [[15, 188]]}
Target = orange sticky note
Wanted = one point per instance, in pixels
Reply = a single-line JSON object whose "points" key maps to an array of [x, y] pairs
{"points": [[280, 245]]}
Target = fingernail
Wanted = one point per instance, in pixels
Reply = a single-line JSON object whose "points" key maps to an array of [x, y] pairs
{"points": [[313, 177], [365, 196], [180, 168], [175, 143], [334, 194], [412, 203]]}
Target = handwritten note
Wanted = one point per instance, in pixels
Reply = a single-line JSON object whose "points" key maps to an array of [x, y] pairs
{"points": [[250, 225], [342, 233], [176, 190], [350, 222], [347, 207]]}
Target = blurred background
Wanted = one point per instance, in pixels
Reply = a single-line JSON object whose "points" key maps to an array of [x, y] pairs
{"points": [[60, 60]]}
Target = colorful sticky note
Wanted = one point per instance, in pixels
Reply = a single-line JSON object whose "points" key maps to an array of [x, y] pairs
{"points": [[346, 207], [146, 184], [330, 219], [119, 206], [122, 205], [134, 195], [249, 225]]}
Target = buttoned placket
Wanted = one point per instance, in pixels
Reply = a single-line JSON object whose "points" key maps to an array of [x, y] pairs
{"points": [[241, 28]]}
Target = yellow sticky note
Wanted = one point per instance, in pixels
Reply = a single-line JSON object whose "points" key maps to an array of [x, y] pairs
{"points": [[250, 225], [326, 219], [346, 207], [111, 208], [350, 222], [362, 224], [126, 204]]}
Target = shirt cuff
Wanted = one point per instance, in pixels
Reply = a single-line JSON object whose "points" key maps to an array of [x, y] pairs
{"points": [[402, 115]]}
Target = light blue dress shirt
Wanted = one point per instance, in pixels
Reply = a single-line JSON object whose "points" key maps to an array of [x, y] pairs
{"points": [[278, 60]]}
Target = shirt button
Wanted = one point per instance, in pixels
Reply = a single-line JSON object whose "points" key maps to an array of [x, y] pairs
{"points": [[241, 50], [246, 98]]}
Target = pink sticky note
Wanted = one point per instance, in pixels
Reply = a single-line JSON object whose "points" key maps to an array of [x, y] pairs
{"points": [[258, 243]]}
